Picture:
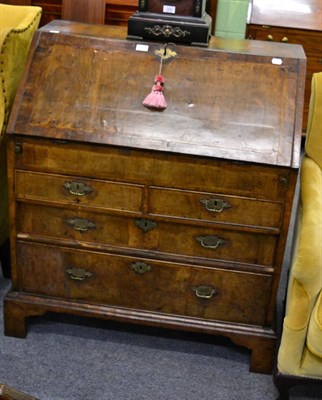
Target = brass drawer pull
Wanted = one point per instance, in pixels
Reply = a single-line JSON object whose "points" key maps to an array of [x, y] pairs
{"points": [[145, 224], [215, 205], [140, 267], [77, 188], [210, 242], [78, 274], [204, 292], [285, 39], [270, 38], [81, 224]]}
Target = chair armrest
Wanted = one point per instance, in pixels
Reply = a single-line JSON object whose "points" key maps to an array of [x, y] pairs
{"points": [[18, 24]]}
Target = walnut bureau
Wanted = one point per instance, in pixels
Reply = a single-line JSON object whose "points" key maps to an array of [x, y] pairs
{"points": [[174, 218]]}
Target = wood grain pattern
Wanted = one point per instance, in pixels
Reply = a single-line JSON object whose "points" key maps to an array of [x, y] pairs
{"points": [[89, 11], [109, 111]]}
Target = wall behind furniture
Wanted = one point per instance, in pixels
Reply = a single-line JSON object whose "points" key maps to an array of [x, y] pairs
{"points": [[231, 18]]}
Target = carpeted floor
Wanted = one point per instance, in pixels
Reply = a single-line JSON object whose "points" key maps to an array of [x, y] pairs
{"points": [[70, 358]]}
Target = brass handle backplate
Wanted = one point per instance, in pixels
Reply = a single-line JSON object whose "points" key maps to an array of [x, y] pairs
{"points": [[215, 205], [204, 292], [140, 267], [210, 242], [77, 188], [81, 224], [78, 274]]}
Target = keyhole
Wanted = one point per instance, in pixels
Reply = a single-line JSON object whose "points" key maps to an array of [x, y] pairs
{"points": [[145, 224]]}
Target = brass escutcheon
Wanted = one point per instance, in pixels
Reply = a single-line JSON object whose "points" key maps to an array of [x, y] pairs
{"points": [[165, 53], [140, 267], [145, 224]]}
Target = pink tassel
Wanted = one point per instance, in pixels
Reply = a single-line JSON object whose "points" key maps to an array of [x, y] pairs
{"points": [[155, 100]]}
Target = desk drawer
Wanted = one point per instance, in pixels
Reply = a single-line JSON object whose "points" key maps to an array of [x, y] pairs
{"points": [[166, 237], [214, 207], [80, 191], [158, 286]]}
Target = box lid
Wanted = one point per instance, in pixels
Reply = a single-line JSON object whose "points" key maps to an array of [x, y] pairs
{"points": [[233, 100]]}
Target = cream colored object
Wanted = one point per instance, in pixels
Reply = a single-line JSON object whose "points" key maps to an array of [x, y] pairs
{"points": [[300, 351], [17, 26]]}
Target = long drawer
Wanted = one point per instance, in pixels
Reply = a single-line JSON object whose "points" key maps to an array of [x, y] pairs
{"points": [[136, 283], [207, 241], [152, 168]]}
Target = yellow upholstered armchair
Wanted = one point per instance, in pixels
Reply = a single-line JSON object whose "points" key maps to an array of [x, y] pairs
{"points": [[17, 26], [300, 352]]}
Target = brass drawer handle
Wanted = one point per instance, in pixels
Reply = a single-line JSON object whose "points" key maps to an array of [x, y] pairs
{"points": [[285, 39], [204, 292], [77, 188], [145, 224], [81, 224], [215, 205], [140, 267], [210, 242], [78, 274], [270, 38]]}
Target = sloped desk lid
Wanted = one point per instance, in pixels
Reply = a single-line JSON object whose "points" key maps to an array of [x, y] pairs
{"points": [[226, 104]]}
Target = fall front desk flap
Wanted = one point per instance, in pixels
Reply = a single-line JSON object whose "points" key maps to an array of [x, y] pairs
{"points": [[239, 105]]}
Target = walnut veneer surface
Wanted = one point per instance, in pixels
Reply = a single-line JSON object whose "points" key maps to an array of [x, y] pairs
{"points": [[175, 219], [295, 23]]}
